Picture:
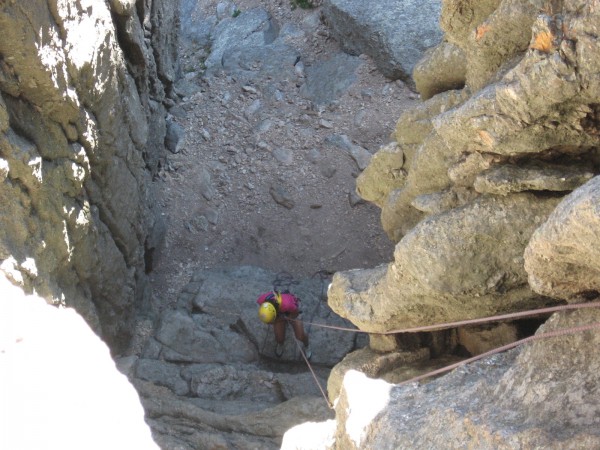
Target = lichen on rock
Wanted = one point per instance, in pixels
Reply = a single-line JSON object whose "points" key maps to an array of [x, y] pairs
{"points": [[495, 214], [82, 133]]}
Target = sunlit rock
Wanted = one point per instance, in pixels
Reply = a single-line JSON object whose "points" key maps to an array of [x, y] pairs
{"points": [[466, 256], [81, 142], [562, 256]]}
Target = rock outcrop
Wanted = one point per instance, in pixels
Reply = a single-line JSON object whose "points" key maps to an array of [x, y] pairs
{"points": [[543, 396], [473, 174], [82, 126], [491, 194], [395, 34], [569, 239], [211, 371]]}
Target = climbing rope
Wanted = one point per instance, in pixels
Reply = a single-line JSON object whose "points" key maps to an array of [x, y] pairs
{"points": [[550, 334], [286, 280], [441, 326], [535, 337], [313, 373]]}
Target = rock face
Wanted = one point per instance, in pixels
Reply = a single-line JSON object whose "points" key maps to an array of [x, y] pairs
{"points": [[490, 191], [491, 194], [569, 238], [442, 68], [395, 34], [478, 165], [82, 129], [542, 396], [253, 28], [466, 256], [211, 371]]}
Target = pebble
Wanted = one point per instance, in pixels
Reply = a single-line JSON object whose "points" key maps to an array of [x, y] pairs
{"points": [[305, 119], [281, 196], [360, 155], [328, 171], [283, 155], [199, 223], [205, 184], [359, 117], [387, 90], [212, 215], [264, 126], [205, 134], [366, 94], [226, 98], [325, 124], [355, 199], [252, 109], [299, 69], [249, 89], [313, 155]]}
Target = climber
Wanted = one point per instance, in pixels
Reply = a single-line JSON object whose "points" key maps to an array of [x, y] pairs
{"points": [[277, 308]]}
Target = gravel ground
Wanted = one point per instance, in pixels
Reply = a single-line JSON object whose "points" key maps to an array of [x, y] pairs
{"points": [[263, 175]]}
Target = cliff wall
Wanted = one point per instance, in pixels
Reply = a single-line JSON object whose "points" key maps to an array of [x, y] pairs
{"points": [[83, 86], [490, 191], [473, 175]]}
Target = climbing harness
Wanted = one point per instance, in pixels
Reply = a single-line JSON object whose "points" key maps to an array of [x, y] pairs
{"points": [[282, 284]]}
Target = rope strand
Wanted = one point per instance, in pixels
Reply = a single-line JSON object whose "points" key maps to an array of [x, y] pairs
{"points": [[313, 373], [550, 334], [535, 337], [497, 318]]}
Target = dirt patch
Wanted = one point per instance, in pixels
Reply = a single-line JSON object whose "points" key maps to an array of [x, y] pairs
{"points": [[263, 176]]}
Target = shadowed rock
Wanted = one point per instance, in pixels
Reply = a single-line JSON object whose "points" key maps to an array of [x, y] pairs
{"points": [[82, 131], [441, 69], [213, 364], [393, 33]]}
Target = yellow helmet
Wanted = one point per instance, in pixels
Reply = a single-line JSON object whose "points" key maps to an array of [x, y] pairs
{"points": [[267, 312]]}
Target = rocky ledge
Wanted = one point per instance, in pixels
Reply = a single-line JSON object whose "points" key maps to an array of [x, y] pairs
{"points": [[210, 378], [490, 192]]}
